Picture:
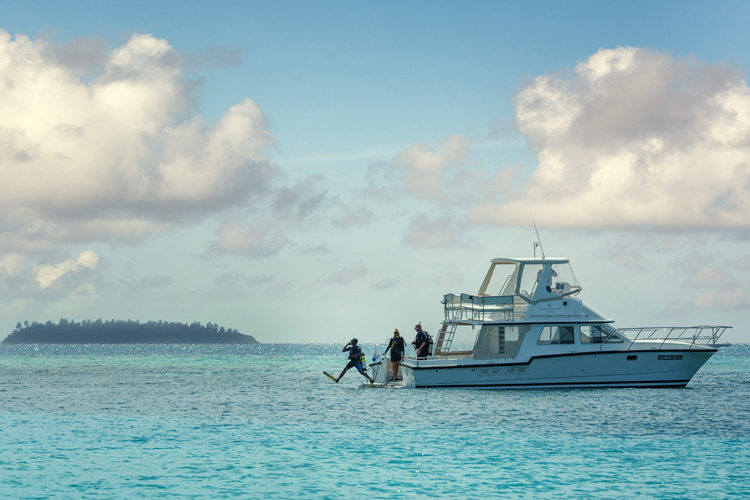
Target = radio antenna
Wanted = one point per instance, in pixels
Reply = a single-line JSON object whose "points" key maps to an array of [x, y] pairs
{"points": [[538, 239]]}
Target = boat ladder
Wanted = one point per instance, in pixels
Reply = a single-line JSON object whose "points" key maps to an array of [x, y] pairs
{"points": [[449, 331]]}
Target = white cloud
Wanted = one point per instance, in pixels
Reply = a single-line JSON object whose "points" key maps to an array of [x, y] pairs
{"points": [[431, 172], [48, 274], [434, 232], [442, 173], [17, 277], [261, 279], [12, 264], [732, 298], [353, 217], [117, 156], [385, 284], [636, 138], [742, 263], [348, 275], [256, 240], [707, 276], [300, 200]]}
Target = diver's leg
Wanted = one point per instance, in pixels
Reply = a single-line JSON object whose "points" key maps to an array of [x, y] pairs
{"points": [[342, 373], [361, 370]]}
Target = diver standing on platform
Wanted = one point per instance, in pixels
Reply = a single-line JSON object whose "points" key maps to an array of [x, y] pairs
{"points": [[421, 342], [397, 346]]}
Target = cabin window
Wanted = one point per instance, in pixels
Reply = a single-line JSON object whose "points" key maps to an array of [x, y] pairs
{"points": [[592, 334], [499, 341], [557, 335], [597, 334]]}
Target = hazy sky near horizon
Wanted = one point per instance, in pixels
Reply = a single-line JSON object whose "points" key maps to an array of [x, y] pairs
{"points": [[313, 171]]}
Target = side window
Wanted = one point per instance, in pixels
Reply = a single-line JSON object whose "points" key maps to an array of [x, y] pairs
{"points": [[592, 334], [565, 334], [557, 335], [596, 334]]}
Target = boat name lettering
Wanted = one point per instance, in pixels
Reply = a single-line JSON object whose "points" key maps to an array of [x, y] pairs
{"points": [[502, 371], [669, 357]]}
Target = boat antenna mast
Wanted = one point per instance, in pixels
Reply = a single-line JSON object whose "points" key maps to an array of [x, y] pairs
{"points": [[538, 242]]}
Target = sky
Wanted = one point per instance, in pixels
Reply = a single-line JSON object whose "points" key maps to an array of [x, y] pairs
{"points": [[314, 171]]}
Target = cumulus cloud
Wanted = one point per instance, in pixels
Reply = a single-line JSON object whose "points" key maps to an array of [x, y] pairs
{"points": [[348, 275], [430, 173], [635, 138], [117, 156], [634, 251], [255, 240], [83, 55], [385, 284], [433, 232], [300, 200], [707, 276], [264, 234], [21, 277], [47, 274], [261, 279], [734, 298], [16, 276], [441, 173], [353, 217], [743, 262]]}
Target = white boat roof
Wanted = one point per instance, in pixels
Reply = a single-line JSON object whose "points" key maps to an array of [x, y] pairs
{"points": [[548, 260]]}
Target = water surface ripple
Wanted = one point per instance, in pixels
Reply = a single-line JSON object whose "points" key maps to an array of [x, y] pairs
{"points": [[104, 421]]}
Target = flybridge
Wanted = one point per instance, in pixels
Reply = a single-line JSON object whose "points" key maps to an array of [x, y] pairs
{"points": [[511, 286]]}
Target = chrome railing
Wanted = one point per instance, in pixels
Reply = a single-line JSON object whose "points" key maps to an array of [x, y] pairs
{"points": [[465, 307], [695, 335]]}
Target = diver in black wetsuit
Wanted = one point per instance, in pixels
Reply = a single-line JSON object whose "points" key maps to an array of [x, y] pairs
{"points": [[397, 347], [421, 342]]}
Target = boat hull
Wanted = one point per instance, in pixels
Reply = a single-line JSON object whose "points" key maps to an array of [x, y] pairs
{"points": [[672, 368]]}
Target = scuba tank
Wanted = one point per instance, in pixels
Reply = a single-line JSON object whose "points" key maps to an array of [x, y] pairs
{"points": [[363, 361]]}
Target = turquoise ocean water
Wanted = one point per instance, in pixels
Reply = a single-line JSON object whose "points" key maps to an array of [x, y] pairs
{"points": [[131, 421]]}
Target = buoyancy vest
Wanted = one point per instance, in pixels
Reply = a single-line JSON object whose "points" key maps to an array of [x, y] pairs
{"points": [[355, 353]]}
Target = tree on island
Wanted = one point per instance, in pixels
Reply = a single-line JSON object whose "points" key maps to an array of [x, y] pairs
{"points": [[124, 332]]}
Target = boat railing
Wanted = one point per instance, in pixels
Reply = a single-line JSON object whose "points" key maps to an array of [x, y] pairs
{"points": [[466, 307], [703, 335]]}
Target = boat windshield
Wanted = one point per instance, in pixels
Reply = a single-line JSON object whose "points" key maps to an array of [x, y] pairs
{"points": [[501, 279], [506, 278], [559, 280]]}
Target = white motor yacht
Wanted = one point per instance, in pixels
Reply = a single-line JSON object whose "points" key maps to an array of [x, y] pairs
{"points": [[534, 331]]}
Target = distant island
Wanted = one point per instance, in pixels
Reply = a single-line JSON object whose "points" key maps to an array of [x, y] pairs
{"points": [[124, 332]]}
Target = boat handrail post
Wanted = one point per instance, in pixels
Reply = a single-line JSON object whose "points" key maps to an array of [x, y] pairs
{"points": [[716, 333], [696, 335], [632, 341], [640, 331], [664, 340], [601, 345]]}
